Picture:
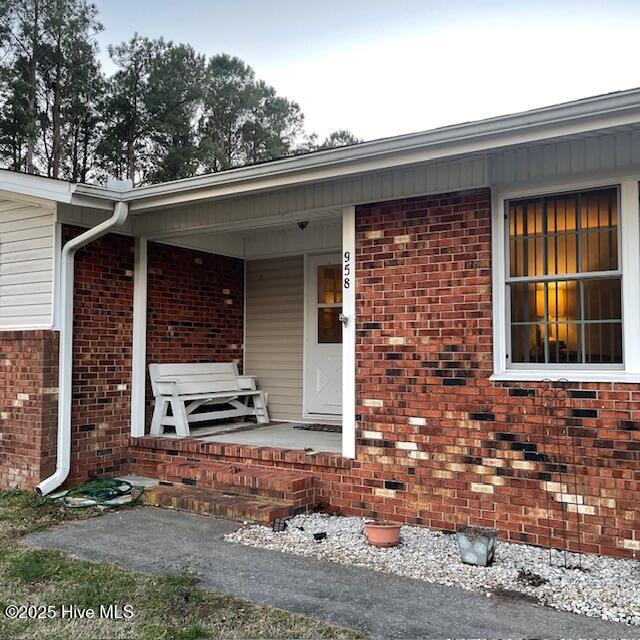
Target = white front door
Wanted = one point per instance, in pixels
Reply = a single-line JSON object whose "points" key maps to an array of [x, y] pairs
{"points": [[323, 330]]}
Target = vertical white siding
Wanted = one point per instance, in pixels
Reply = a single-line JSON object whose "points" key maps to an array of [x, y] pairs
{"points": [[275, 332], [433, 177], [26, 265], [577, 159]]}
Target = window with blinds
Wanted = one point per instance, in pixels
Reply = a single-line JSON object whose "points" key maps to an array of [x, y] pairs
{"points": [[563, 283]]}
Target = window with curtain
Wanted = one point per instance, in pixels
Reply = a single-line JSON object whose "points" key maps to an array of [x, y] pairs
{"points": [[564, 297]]}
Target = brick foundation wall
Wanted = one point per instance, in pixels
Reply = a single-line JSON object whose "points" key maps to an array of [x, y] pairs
{"points": [[445, 445], [333, 475], [195, 308], [28, 407], [103, 316]]}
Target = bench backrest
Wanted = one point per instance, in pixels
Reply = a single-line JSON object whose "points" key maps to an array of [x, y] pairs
{"points": [[196, 377]]}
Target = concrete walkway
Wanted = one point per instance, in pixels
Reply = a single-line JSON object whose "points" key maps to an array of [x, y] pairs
{"points": [[156, 541]]}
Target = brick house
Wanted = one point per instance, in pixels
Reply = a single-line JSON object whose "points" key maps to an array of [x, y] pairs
{"points": [[415, 291]]}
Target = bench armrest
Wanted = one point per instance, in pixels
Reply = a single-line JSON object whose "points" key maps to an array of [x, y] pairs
{"points": [[247, 382]]}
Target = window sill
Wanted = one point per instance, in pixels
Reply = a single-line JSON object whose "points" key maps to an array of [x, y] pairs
{"points": [[516, 375]]}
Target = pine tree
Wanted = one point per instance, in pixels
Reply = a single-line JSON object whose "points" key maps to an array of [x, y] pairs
{"points": [[244, 120], [68, 65], [123, 148], [166, 113], [172, 101], [228, 86], [23, 32], [273, 126], [14, 121], [339, 138], [81, 109]]}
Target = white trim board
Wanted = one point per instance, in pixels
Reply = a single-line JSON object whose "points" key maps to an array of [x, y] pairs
{"points": [[139, 347], [349, 333]]}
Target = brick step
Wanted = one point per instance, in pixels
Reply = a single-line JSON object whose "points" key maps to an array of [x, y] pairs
{"points": [[218, 503], [250, 480]]}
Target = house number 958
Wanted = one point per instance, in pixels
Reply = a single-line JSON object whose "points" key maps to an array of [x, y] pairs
{"points": [[347, 270]]}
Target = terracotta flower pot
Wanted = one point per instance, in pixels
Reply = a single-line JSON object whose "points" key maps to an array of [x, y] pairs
{"points": [[382, 534]]}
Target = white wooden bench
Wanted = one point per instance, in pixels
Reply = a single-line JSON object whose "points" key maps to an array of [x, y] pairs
{"points": [[186, 387]]}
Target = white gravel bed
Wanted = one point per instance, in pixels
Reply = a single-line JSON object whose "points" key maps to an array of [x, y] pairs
{"points": [[608, 588]]}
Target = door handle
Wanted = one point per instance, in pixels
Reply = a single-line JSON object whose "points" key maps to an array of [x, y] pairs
{"points": [[344, 319]]}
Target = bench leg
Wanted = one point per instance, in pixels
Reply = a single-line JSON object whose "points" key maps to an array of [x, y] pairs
{"points": [[159, 414], [180, 417], [260, 405]]}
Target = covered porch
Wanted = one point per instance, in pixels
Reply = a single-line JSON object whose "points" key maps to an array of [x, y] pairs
{"points": [[266, 296]]}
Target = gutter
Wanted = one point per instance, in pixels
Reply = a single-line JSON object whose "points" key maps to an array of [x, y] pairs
{"points": [[65, 357], [578, 117], [569, 118]]}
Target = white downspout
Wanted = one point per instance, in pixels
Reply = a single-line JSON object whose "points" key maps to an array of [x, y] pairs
{"points": [[65, 358]]}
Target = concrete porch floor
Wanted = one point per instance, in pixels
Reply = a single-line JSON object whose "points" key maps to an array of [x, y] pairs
{"points": [[281, 435]]}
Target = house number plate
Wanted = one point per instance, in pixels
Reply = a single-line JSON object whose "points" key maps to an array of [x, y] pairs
{"points": [[346, 270]]}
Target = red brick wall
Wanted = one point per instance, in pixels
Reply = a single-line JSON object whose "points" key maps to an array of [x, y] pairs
{"points": [[195, 307], [445, 445], [103, 315], [195, 313], [439, 444], [28, 379]]}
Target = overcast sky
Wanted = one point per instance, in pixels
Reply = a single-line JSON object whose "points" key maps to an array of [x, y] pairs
{"points": [[385, 67]]}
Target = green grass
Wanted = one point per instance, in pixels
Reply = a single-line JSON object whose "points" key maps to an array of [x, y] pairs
{"points": [[170, 607]]}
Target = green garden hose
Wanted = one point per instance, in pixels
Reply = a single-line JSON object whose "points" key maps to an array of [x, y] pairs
{"points": [[101, 492]]}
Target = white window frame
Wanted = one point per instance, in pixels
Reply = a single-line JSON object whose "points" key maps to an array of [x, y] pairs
{"points": [[629, 256]]}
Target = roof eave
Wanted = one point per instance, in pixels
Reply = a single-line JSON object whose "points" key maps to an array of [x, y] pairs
{"points": [[578, 117], [33, 188], [421, 148]]}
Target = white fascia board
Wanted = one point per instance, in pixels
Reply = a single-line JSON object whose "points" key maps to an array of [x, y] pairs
{"points": [[571, 118], [41, 190], [34, 188], [548, 123], [105, 203]]}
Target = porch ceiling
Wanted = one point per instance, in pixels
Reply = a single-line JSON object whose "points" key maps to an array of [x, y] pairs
{"points": [[234, 217], [276, 237]]}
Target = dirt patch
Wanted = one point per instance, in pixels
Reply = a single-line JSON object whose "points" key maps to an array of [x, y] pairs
{"points": [[530, 578], [502, 596]]}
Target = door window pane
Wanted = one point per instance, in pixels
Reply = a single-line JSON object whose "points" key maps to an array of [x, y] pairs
{"points": [[329, 325], [329, 304], [330, 284]]}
